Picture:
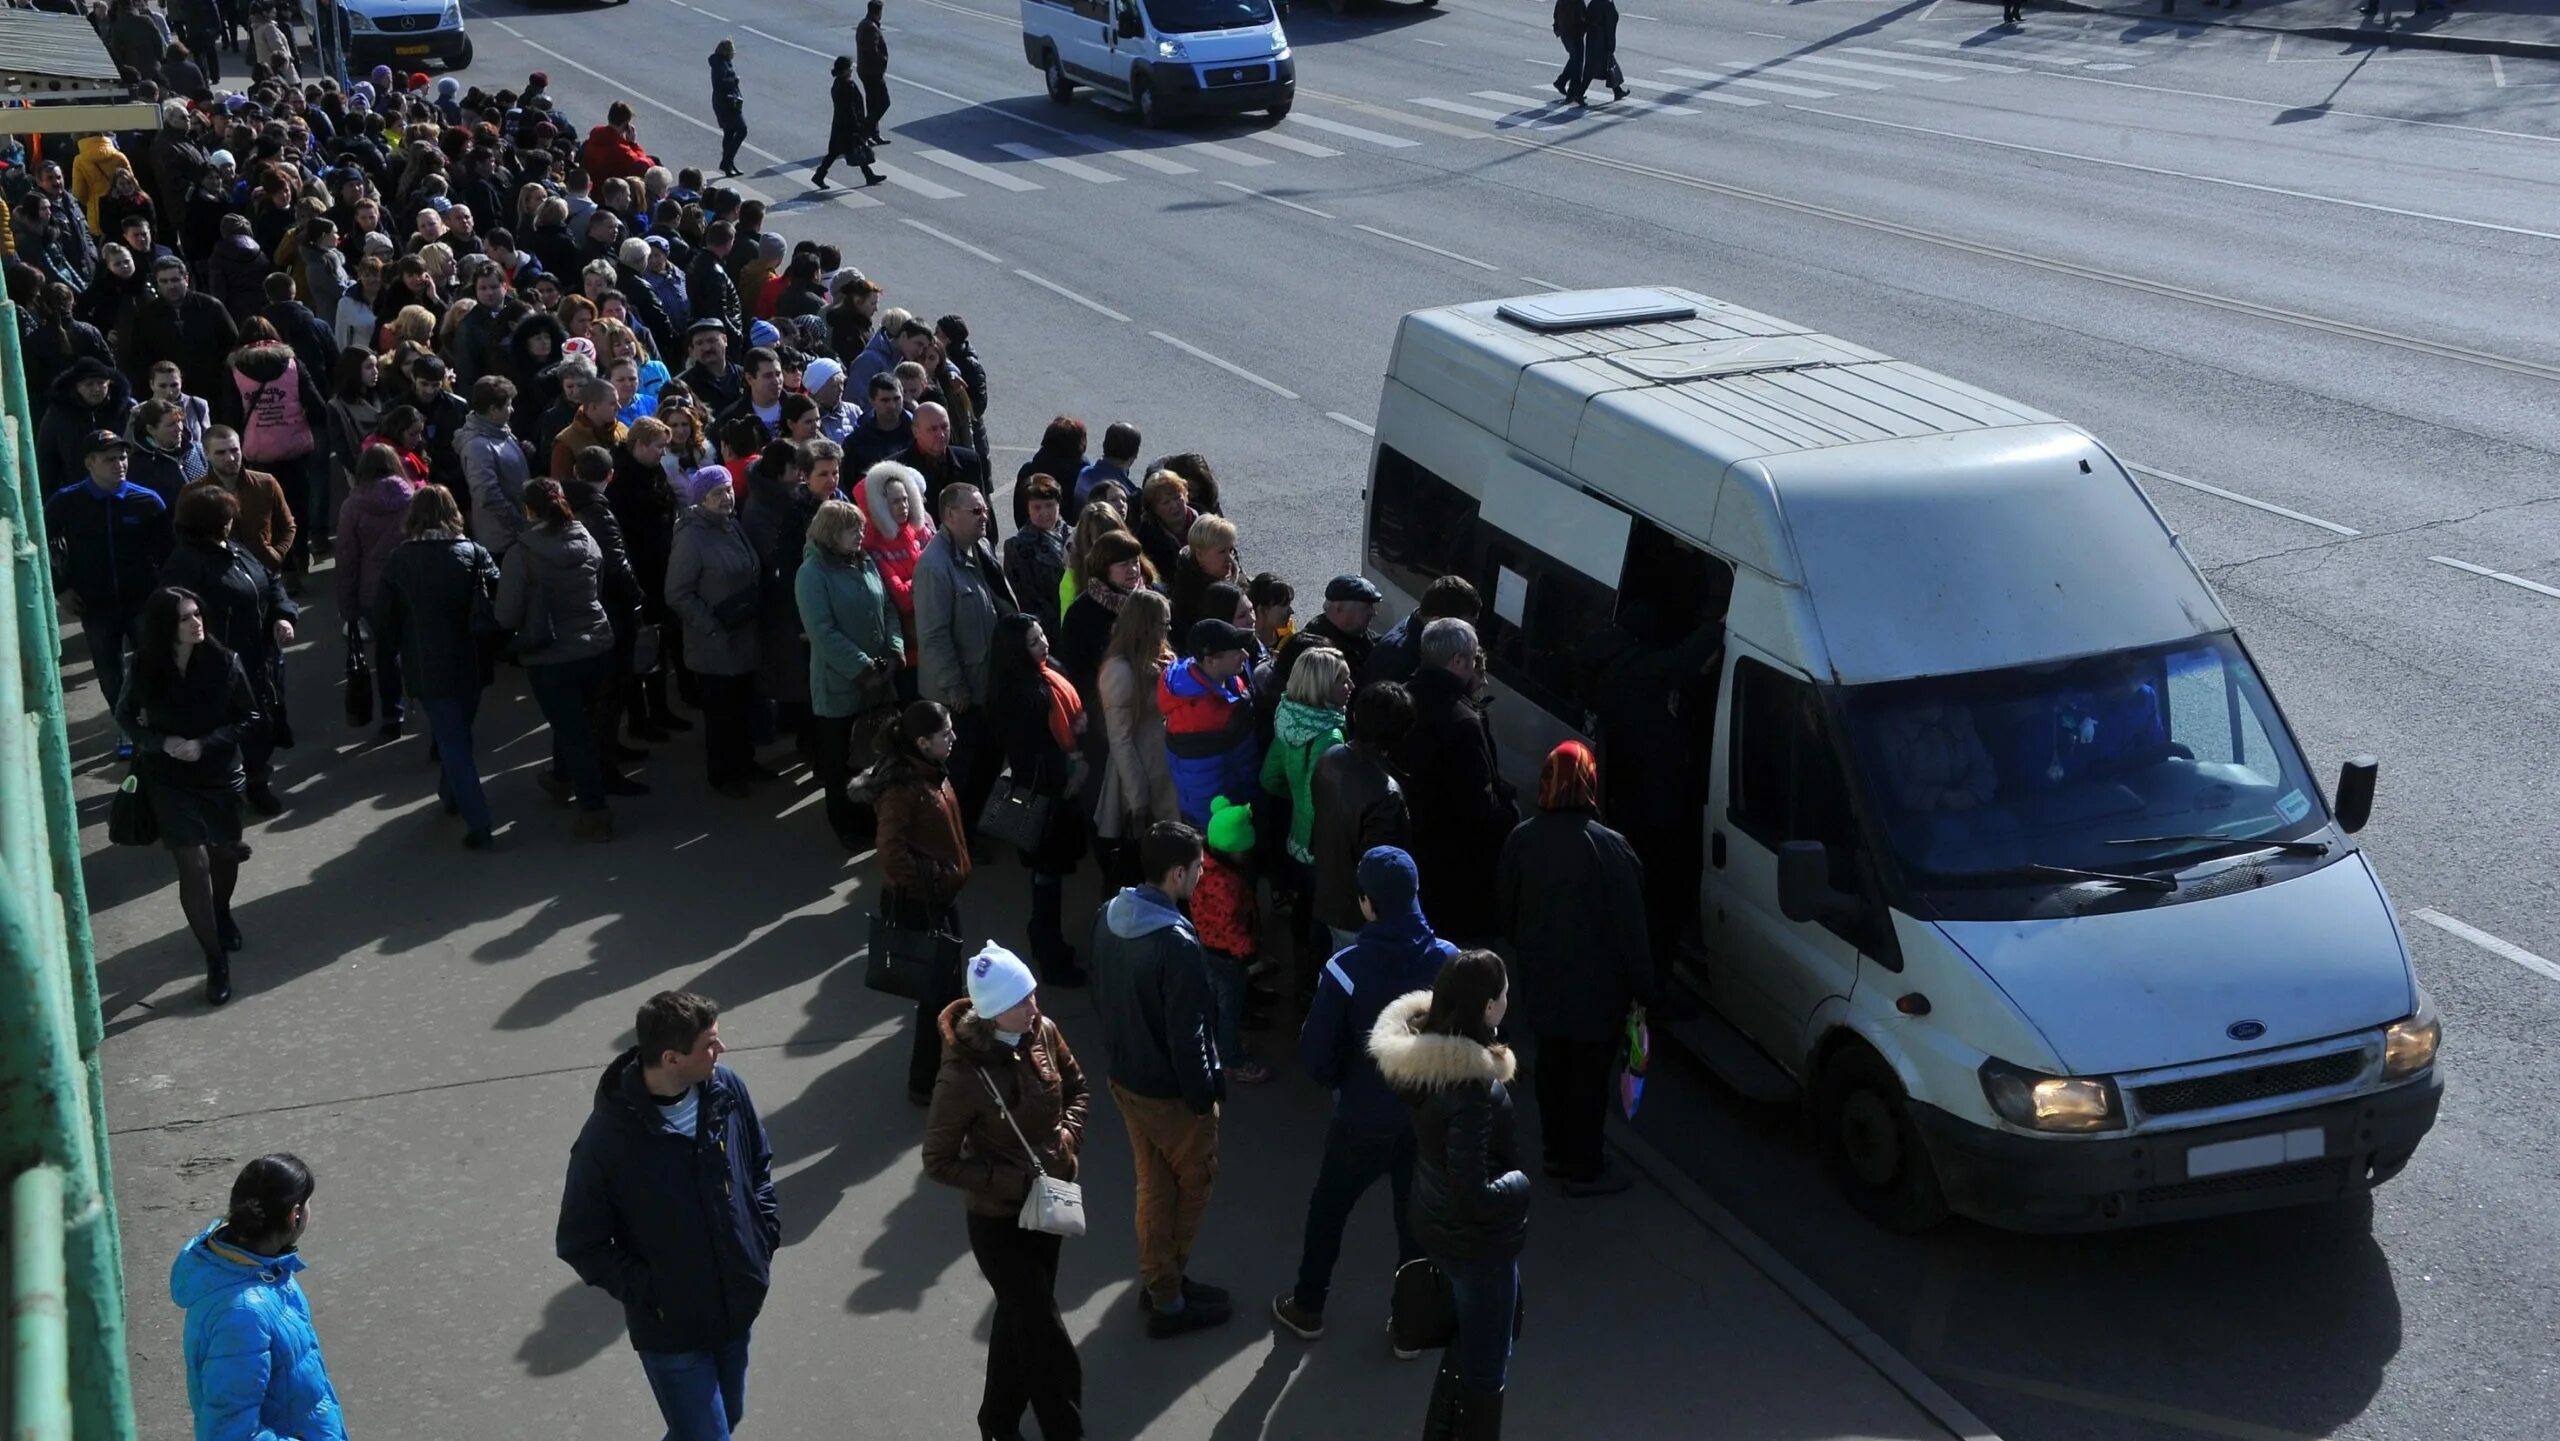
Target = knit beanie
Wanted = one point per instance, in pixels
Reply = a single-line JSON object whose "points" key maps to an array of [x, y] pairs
{"points": [[698, 484], [998, 980], [1231, 827], [1389, 880]]}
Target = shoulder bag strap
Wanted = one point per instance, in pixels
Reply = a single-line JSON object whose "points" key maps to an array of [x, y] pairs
{"points": [[1007, 1112]]}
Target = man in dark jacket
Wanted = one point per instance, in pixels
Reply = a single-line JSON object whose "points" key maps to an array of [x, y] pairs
{"points": [[312, 341], [109, 538], [871, 62], [670, 1209], [1462, 807], [940, 462], [1359, 805], [1399, 651], [1151, 988], [87, 396], [1568, 27], [181, 325], [1350, 604], [708, 289], [711, 378], [1372, 1133]]}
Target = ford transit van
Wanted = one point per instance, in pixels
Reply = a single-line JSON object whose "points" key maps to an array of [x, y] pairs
{"points": [[1165, 58], [2004, 851]]}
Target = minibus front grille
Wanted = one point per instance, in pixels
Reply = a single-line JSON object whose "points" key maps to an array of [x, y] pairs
{"points": [[2236, 1088], [1220, 75], [402, 23]]}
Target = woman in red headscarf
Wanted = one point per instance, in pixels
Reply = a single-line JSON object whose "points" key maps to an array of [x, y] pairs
{"points": [[1569, 897]]}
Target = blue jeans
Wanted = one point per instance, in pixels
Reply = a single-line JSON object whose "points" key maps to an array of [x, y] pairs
{"points": [[703, 1394], [449, 717], [566, 692], [1353, 1162], [1488, 1296], [1226, 990]]}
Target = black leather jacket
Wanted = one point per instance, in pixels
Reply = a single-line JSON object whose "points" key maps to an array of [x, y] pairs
{"points": [[1359, 803], [1470, 1197]]}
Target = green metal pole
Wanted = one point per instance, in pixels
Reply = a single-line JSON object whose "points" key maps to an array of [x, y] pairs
{"points": [[39, 1363]]}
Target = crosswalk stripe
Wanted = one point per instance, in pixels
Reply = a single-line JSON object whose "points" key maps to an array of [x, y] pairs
{"points": [[1533, 110], [1481, 113], [929, 189], [850, 199], [1931, 59], [1374, 137], [1292, 144], [1689, 92], [1059, 163], [976, 171], [1145, 160], [1226, 153], [1747, 82], [2011, 51], [2042, 36], [1656, 107], [1765, 67], [1903, 71]]}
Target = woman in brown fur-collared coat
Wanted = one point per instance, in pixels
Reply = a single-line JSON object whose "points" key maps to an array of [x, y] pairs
{"points": [[1008, 1079], [924, 856]]}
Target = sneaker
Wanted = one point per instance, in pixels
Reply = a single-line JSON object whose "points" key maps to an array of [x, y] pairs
{"points": [[1201, 1293], [1302, 1323], [1194, 1316]]}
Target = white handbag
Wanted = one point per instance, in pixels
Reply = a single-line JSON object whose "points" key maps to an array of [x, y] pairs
{"points": [[1052, 1206]]}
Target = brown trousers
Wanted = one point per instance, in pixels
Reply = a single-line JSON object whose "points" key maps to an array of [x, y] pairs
{"points": [[1177, 1156]]}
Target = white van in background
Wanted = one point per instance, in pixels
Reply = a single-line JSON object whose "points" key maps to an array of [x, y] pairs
{"points": [[1166, 58], [2011, 861], [403, 34]]}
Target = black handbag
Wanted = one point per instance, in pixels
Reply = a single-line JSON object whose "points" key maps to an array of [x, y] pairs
{"points": [[359, 679], [1016, 816], [911, 961], [130, 819], [737, 611], [1422, 1314], [648, 649]]}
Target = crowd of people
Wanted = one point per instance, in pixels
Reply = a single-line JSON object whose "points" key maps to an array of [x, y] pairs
{"points": [[535, 402]]}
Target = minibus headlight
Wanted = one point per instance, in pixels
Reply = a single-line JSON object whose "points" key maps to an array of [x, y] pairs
{"points": [[358, 20], [2409, 1046], [1169, 50], [2051, 1103]]}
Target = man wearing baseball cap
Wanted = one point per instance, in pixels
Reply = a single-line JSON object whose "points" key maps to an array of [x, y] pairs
{"points": [[109, 539], [1350, 605]]}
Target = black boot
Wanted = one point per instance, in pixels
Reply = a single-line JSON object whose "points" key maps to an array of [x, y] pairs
{"points": [[1440, 1419], [217, 978], [873, 177], [819, 178], [1479, 1414]]}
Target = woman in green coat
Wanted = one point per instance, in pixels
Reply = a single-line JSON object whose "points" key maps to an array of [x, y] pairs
{"points": [[1308, 724], [856, 645]]}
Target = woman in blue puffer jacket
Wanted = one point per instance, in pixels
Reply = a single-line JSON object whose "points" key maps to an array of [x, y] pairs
{"points": [[254, 1371]]}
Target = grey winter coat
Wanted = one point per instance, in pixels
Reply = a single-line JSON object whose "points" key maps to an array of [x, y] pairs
{"points": [[710, 563], [957, 607], [549, 594], [494, 466]]}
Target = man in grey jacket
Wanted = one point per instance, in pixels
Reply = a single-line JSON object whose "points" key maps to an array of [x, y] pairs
{"points": [[960, 594], [493, 465]]}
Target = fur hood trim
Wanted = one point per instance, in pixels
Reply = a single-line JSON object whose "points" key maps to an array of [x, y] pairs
{"points": [[1412, 1060]]}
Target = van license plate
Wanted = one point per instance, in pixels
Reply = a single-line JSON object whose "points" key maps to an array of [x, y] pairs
{"points": [[409, 50], [2255, 1153]]}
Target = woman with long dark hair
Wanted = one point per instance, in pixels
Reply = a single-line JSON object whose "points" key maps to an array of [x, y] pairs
{"points": [[1136, 789], [246, 610], [1470, 1208], [185, 705], [550, 593], [924, 855], [253, 1359], [436, 579], [1041, 722]]}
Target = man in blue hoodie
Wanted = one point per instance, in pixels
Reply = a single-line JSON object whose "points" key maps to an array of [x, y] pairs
{"points": [[1151, 990], [1372, 1131]]}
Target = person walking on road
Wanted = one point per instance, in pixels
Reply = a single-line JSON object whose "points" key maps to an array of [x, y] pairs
{"points": [[253, 1357], [1370, 1135], [1569, 898], [186, 705], [1470, 1198], [669, 1208], [871, 49], [1151, 989], [1008, 1080], [1568, 27], [1600, 50], [728, 104], [849, 132]]}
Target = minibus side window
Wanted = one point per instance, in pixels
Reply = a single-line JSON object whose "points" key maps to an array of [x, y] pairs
{"points": [[1786, 782], [1538, 613], [1420, 526]]}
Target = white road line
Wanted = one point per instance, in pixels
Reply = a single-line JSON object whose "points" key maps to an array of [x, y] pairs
{"points": [[1686, 92], [1903, 71], [1764, 34], [1374, 137], [1054, 288], [1930, 59], [1227, 153], [803, 175], [929, 189], [1292, 144], [1807, 92], [1434, 44], [2537, 587], [1419, 245], [1276, 200], [1142, 158], [954, 241], [2041, 36], [1362, 426], [1534, 108], [2487, 942], [2237, 498], [2190, 175], [1059, 163], [2344, 114], [1545, 284], [971, 168], [2012, 52], [1229, 366], [1478, 111], [1764, 67], [1657, 107]]}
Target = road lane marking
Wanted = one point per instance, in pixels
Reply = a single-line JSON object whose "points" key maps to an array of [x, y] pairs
{"points": [[1292, 144], [1904, 71], [1059, 163], [1054, 288], [2187, 175], [1779, 87], [1276, 200], [1685, 92], [2537, 587], [2346, 114], [1374, 137], [952, 240], [1144, 159], [1505, 117], [2237, 498], [1933, 59], [1544, 284], [1819, 77], [1226, 153], [971, 168], [808, 178], [929, 189], [1419, 245], [2010, 51], [2507, 949], [1362, 426], [1657, 107], [1434, 44], [1229, 366]]}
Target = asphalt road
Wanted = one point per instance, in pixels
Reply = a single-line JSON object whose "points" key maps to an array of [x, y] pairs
{"points": [[2312, 283]]}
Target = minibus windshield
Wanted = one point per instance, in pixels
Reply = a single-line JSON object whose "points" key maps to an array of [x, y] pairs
{"points": [[1189, 17], [2140, 761]]}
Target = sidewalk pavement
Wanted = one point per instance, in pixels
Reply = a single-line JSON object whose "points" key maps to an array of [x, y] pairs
{"points": [[425, 1025], [2527, 29]]}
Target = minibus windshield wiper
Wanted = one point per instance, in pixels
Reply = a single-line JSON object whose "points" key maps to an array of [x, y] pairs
{"points": [[2212, 846], [2074, 873]]}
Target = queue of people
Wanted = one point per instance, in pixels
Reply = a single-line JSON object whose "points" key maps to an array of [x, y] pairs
{"points": [[544, 407]]}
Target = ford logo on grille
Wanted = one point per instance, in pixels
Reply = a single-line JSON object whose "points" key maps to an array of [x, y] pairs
{"points": [[2245, 1030]]}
